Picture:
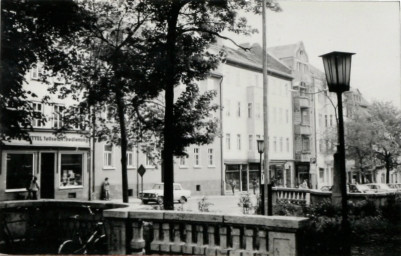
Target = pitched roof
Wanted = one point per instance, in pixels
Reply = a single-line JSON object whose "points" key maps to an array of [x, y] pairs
{"points": [[253, 59], [283, 51]]}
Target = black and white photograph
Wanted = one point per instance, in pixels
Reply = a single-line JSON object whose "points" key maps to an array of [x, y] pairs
{"points": [[200, 127]]}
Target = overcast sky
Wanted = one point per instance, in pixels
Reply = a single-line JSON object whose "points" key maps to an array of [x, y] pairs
{"points": [[371, 29]]}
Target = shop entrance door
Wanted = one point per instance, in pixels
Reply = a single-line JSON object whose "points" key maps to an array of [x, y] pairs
{"points": [[47, 163]]}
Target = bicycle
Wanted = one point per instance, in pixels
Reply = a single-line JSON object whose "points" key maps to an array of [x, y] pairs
{"points": [[95, 244]]}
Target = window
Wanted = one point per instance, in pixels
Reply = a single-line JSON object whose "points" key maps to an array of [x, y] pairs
{"points": [[35, 71], [228, 141], [281, 144], [210, 156], [130, 157], [305, 116], [58, 116], [196, 157], [305, 144], [110, 113], [249, 110], [227, 107], [287, 144], [19, 169], [250, 142], [326, 121], [287, 116], [183, 161], [320, 120], [108, 155], [71, 170], [239, 141], [37, 114], [148, 161], [239, 109], [321, 175], [331, 120]]}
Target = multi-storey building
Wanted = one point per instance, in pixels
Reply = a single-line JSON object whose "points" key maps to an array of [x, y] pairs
{"points": [[61, 163], [242, 120], [296, 58]]}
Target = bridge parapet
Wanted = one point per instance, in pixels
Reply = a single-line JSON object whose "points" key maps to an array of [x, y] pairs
{"points": [[176, 232]]}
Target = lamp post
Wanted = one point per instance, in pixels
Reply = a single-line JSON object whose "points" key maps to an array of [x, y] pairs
{"points": [[337, 67], [261, 147]]}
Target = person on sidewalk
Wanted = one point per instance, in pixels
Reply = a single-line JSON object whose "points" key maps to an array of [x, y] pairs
{"points": [[33, 188], [106, 189], [233, 184]]}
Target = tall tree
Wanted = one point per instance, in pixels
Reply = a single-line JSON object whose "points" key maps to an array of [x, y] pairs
{"points": [[359, 141], [30, 32], [180, 36], [387, 147]]}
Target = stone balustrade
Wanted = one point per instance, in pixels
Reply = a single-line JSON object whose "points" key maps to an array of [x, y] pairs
{"points": [[175, 232], [312, 196], [291, 195]]}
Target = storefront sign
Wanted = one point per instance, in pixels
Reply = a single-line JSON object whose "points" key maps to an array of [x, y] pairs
{"points": [[49, 139]]}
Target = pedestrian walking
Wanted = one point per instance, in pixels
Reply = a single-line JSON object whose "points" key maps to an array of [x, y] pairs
{"points": [[106, 189], [33, 188], [254, 184], [233, 184]]}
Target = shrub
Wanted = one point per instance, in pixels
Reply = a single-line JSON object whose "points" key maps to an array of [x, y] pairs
{"points": [[203, 204], [246, 203], [286, 208]]}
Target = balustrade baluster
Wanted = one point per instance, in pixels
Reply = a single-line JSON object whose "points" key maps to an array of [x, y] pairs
{"points": [[223, 241], [212, 247], [165, 246], [155, 244], [189, 246], [236, 242], [262, 244], [177, 244], [249, 240], [200, 246], [137, 242]]}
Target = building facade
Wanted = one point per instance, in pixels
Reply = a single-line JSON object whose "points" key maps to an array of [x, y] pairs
{"points": [[242, 119]]}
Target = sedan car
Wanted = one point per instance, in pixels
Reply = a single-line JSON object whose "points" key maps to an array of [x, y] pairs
{"points": [[381, 187], [156, 194], [395, 186]]}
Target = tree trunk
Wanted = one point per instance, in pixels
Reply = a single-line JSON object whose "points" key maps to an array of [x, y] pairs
{"points": [[388, 170], [124, 143], [168, 150]]}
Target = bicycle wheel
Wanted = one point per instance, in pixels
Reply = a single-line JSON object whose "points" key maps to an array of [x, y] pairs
{"points": [[99, 246], [70, 247]]}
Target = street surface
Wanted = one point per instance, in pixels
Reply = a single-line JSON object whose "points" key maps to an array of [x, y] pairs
{"points": [[227, 204]]}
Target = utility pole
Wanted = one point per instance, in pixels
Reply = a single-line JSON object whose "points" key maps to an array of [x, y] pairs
{"points": [[267, 187]]}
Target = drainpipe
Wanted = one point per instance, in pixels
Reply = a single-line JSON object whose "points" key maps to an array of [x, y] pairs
{"points": [[223, 179], [92, 190]]}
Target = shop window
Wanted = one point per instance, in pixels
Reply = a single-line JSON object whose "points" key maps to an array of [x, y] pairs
{"points": [[71, 166], [108, 155], [19, 170]]}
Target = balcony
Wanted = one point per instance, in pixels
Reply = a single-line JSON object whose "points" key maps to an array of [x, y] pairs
{"points": [[303, 129], [302, 156], [303, 102]]}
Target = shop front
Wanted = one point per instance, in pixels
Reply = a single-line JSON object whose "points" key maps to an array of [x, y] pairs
{"points": [[59, 163]]}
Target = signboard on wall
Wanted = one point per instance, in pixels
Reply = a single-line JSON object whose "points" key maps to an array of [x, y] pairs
{"points": [[49, 139]]}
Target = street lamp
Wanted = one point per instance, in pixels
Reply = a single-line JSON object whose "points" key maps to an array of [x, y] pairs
{"points": [[337, 66], [261, 148]]}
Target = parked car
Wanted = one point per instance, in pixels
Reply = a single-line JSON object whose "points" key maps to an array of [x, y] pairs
{"points": [[381, 187], [156, 194], [326, 188], [395, 186], [351, 188]]}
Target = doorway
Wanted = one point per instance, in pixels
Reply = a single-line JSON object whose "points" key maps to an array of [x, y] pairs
{"points": [[47, 169]]}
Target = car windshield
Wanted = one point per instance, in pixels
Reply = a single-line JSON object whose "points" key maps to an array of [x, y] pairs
{"points": [[158, 186]]}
